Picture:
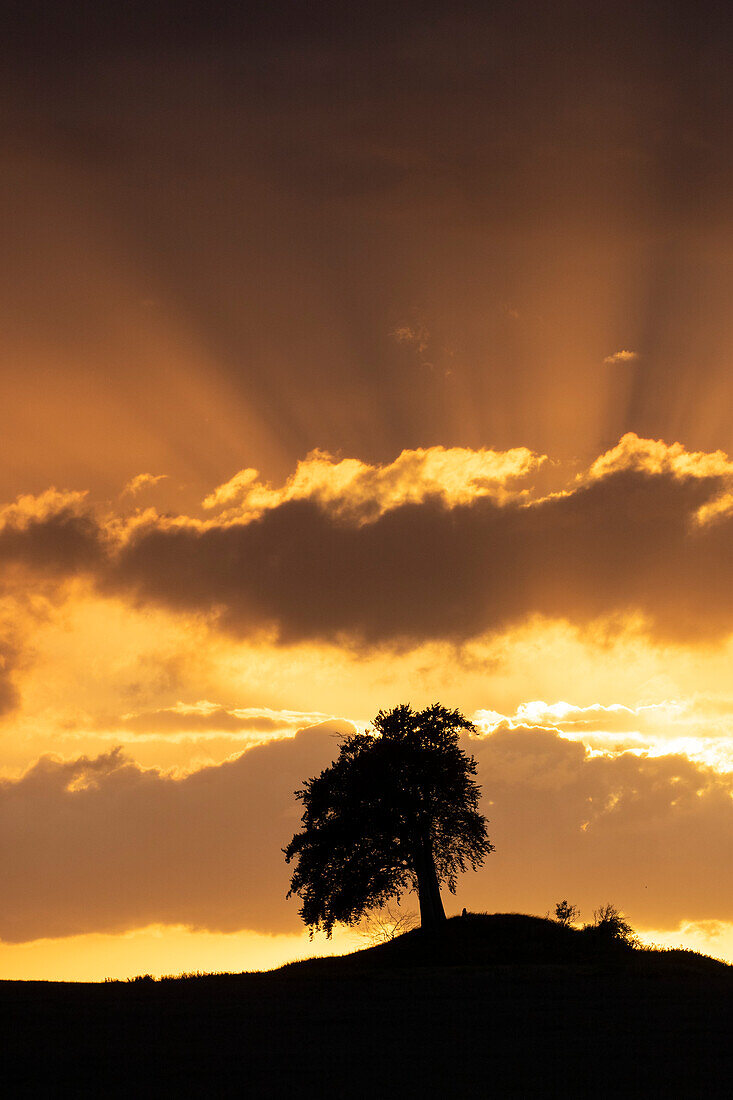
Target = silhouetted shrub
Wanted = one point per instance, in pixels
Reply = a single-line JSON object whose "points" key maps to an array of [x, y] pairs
{"points": [[609, 923], [566, 914]]}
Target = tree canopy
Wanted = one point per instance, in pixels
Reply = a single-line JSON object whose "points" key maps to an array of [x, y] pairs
{"points": [[397, 809]]}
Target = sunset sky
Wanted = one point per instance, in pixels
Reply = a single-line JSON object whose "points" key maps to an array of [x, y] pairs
{"points": [[353, 358]]}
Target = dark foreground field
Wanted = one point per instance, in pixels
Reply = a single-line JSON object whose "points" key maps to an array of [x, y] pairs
{"points": [[500, 1005]]}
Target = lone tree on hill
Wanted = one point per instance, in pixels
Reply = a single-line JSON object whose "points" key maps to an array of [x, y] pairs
{"points": [[397, 809]]}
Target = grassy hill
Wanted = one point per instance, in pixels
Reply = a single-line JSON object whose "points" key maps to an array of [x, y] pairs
{"points": [[503, 1005], [503, 939]]}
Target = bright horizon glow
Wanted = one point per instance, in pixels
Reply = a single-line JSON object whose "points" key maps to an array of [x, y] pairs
{"points": [[160, 950], [172, 950]]}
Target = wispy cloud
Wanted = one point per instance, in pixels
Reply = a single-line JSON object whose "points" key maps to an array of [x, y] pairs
{"points": [[622, 356], [142, 481], [700, 727], [428, 349], [415, 335], [204, 717]]}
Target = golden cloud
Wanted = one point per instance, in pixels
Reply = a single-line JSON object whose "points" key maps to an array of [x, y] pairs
{"points": [[142, 481], [9, 656], [654, 456], [622, 356], [431, 546], [614, 718], [700, 727], [349, 487], [620, 542], [30, 509], [205, 717]]}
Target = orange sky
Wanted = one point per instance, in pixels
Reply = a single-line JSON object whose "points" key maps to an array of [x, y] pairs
{"points": [[351, 361]]}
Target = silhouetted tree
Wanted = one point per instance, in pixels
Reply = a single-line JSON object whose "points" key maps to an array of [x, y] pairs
{"points": [[397, 809], [566, 913]]}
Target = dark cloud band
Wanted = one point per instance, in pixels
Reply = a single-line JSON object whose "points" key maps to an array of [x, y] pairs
{"points": [[624, 543]]}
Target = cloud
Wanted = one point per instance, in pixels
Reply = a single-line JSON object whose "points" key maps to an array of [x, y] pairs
{"points": [[654, 456], [53, 533], [429, 353], [9, 695], [363, 492], [653, 834], [415, 335], [114, 842], [56, 546], [140, 482], [101, 844], [28, 509], [711, 712], [430, 547], [207, 717], [625, 542], [239, 488], [614, 718], [699, 726], [622, 356]]}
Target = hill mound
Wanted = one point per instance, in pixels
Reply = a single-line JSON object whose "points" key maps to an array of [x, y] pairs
{"points": [[507, 939]]}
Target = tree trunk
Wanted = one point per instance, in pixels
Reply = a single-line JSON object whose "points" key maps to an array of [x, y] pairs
{"points": [[428, 889]]}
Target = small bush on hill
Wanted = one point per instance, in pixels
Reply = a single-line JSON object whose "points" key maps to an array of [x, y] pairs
{"points": [[566, 914], [609, 922]]}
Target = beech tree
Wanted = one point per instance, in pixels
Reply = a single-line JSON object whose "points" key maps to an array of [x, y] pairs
{"points": [[398, 809]]}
